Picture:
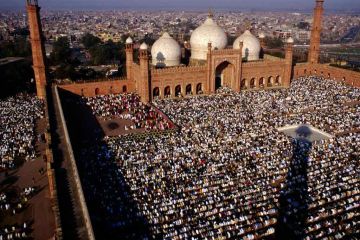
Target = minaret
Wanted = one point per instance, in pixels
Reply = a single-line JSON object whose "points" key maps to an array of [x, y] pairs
{"points": [[314, 50], [262, 45], [129, 49], [37, 47], [289, 46], [144, 87], [210, 75], [237, 83]]}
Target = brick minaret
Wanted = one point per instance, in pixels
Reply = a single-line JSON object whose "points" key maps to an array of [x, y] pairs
{"points": [[129, 49], [37, 46], [288, 62], [210, 76], [144, 87], [314, 50], [237, 83]]}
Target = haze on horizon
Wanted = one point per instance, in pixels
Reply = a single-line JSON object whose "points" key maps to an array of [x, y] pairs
{"points": [[293, 5]]}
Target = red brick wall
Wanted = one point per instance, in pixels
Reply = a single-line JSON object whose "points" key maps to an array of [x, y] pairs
{"points": [[265, 69], [182, 76], [91, 89], [349, 77]]}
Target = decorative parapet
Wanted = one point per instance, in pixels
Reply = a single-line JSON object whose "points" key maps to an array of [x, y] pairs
{"points": [[278, 63], [179, 69], [226, 52]]}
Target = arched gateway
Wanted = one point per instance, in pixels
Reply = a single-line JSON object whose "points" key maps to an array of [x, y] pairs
{"points": [[224, 75]]}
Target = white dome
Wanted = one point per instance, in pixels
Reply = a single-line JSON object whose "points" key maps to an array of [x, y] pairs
{"points": [[251, 48], [166, 52], [129, 40], [290, 40], [143, 46], [208, 32], [261, 35]]}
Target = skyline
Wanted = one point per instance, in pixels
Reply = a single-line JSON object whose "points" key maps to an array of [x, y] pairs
{"points": [[245, 5]]}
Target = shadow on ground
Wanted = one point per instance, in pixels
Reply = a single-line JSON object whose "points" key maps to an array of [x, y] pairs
{"points": [[293, 209], [113, 211]]}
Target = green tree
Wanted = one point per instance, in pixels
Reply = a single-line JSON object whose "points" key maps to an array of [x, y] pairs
{"points": [[108, 52], [65, 71], [61, 53], [16, 77], [89, 41], [273, 42], [20, 47]]}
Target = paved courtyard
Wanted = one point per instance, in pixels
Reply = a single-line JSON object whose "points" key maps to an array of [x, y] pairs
{"points": [[304, 131]]}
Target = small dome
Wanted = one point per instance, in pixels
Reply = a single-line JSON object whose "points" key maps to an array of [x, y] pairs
{"points": [[290, 40], [261, 35], [129, 40], [208, 32], [166, 52], [143, 46], [251, 46]]}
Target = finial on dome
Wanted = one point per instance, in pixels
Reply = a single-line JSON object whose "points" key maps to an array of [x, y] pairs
{"points": [[165, 35], [209, 46], [241, 44], [247, 25], [210, 13]]}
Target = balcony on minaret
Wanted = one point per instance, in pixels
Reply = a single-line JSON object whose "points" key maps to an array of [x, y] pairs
{"points": [[319, 3], [32, 2]]}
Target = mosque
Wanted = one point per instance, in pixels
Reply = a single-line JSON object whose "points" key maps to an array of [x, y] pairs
{"points": [[213, 64]]}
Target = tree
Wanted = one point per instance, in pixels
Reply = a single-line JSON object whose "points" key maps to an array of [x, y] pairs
{"points": [[16, 77], [273, 42], [89, 41], [20, 47], [65, 71], [108, 52], [61, 53], [304, 25]]}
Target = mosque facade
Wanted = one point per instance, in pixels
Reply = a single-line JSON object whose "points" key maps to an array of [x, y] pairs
{"points": [[213, 64]]}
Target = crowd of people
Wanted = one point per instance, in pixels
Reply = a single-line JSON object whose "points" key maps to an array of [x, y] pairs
{"points": [[18, 116], [11, 203], [228, 173], [128, 106]]}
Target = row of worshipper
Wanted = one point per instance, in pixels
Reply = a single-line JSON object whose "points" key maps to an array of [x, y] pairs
{"points": [[229, 174], [15, 231], [10, 205], [128, 106], [18, 117]]}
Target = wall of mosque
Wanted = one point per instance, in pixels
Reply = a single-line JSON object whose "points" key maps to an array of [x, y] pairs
{"points": [[262, 74], [90, 89], [306, 69], [183, 80]]}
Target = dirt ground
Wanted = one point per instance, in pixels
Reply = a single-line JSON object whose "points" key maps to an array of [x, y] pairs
{"points": [[116, 127], [39, 212]]}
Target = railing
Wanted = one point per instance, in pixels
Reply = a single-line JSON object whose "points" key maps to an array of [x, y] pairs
{"points": [[80, 193], [51, 175]]}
